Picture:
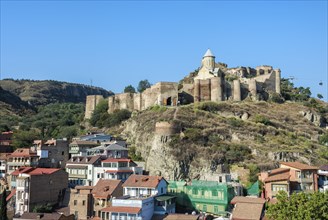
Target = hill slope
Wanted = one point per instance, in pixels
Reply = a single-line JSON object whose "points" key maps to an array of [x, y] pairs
{"points": [[49, 91], [11, 104], [209, 135]]}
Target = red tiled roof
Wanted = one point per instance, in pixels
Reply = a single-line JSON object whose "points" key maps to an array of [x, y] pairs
{"points": [[242, 199], [119, 171], [298, 165], [23, 152], [122, 209], [4, 156], [142, 181], [117, 160], [21, 170], [278, 177], [12, 193], [247, 211], [41, 171], [105, 188], [278, 170], [34, 171]]}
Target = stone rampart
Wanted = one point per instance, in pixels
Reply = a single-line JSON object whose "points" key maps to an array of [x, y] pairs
{"points": [[91, 103]]}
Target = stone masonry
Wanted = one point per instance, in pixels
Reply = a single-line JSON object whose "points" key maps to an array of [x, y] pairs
{"points": [[213, 82]]}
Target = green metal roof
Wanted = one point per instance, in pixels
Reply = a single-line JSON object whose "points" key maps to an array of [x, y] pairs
{"points": [[254, 190]]}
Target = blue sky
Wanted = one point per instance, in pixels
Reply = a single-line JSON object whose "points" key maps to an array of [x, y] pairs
{"points": [[114, 44]]}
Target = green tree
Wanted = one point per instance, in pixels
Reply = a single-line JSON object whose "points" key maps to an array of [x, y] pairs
{"points": [[24, 138], [129, 89], [253, 171], [302, 205], [319, 96], [99, 113], [298, 94], [3, 206], [143, 85]]}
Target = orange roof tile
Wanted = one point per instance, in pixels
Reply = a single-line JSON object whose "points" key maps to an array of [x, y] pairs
{"points": [[278, 177], [4, 156], [34, 171], [278, 170], [298, 165], [105, 188], [12, 193], [142, 181], [122, 209], [23, 152], [242, 199], [242, 211]]}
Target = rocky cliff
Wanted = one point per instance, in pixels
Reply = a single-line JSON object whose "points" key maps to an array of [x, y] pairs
{"points": [[49, 91], [194, 141]]}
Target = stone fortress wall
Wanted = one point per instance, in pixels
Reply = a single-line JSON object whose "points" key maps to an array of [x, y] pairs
{"points": [[91, 103], [214, 82]]}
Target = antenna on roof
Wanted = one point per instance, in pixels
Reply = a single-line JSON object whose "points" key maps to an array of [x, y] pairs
{"points": [[91, 82]]}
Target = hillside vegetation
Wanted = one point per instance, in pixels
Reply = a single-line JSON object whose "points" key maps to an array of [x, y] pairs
{"points": [[211, 134], [49, 91]]}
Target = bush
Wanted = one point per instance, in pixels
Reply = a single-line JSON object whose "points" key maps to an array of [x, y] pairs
{"points": [[235, 122], [323, 139], [158, 108], [134, 155], [210, 106], [275, 97], [263, 120]]}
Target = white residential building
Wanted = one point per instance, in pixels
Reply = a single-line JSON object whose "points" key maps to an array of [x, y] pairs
{"points": [[144, 197], [116, 168]]}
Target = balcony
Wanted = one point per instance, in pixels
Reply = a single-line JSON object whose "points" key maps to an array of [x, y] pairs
{"points": [[80, 176], [73, 150], [22, 188], [305, 180]]}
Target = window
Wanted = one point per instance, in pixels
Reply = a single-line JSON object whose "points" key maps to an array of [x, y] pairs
{"points": [[220, 179], [205, 208], [83, 202], [75, 202], [194, 191], [279, 187], [298, 174], [89, 172], [162, 190], [62, 152], [216, 210], [203, 192], [214, 193]]}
